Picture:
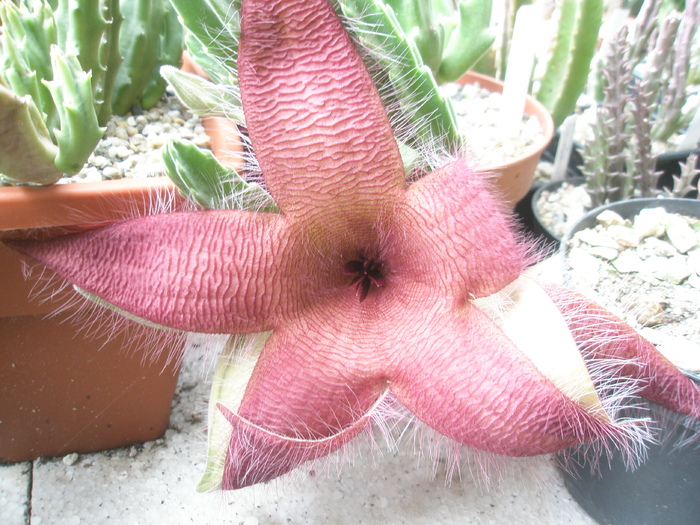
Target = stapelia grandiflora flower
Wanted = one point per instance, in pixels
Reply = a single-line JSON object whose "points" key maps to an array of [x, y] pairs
{"points": [[369, 285]]}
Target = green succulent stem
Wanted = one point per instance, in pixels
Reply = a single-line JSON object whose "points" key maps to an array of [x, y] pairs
{"points": [[144, 50], [204, 180], [79, 131], [567, 70], [471, 39], [22, 129], [65, 55], [213, 33], [407, 80]]}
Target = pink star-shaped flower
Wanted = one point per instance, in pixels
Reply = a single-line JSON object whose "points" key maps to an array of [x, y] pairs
{"points": [[369, 285]]}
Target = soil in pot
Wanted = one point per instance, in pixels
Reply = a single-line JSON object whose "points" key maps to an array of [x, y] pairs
{"points": [[641, 260], [510, 155], [556, 206]]}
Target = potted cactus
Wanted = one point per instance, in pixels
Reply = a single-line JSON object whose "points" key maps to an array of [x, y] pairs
{"points": [[65, 66], [412, 48], [346, 282]]}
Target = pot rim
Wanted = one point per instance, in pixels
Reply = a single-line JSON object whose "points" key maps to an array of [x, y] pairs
{"points": [[533, 107], [60, 205], [630, 207]]}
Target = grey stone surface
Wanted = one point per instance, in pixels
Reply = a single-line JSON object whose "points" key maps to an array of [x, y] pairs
{"points": [[15, 481], [155, 484]]}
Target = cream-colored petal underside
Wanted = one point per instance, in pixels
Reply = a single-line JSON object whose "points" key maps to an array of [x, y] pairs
{"points": [[527, 315]]}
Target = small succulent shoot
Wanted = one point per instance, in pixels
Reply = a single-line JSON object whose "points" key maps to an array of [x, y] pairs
{"points": [[201, 96], [572, 51], [687, 181], [362, 283], [205, 181], [63, 57]]}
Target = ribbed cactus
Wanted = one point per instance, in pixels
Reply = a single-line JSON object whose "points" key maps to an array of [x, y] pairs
{"points": [[59, 63], [450, 35], [151, 38], [567, 69]]}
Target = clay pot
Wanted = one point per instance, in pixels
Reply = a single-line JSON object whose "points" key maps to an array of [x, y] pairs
{"points": [[514, 178], [63, 389]]}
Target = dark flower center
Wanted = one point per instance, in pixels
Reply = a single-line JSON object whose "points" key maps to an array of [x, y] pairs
{"points": [[365, 272]]}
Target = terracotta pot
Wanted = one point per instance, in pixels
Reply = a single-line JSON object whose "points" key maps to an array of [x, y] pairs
{"points": [[514, 178], [64, 390], [224, 135]]}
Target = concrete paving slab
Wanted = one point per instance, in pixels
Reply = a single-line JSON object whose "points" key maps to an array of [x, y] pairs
{"points": [[155, 483], [15, 483]]}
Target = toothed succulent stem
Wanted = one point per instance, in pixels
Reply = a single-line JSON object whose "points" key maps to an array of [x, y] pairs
{"points": [[25, 44], [468, 42], [406, 79], [643, 161], [567, 69], [111, 58], [604, 155], [79, 131], [419, 23], [144, 50], [65, 55], [450, 36], [81, 29], [683, 183], [670, 118]]}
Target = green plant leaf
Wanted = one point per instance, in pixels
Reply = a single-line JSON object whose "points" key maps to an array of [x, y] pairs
{"points": [[26, 151], [204, 180]]}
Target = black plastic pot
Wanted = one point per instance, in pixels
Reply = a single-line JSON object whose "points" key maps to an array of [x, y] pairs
{"points": [[539, 227], [524, 211], [665, 490]]}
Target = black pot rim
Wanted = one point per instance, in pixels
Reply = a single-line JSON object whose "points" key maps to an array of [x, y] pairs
{"points": [[548, 186], [629, 208]]}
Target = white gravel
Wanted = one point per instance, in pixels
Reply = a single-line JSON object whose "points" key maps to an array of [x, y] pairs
{"points": [[132, 144], [647, 271], [478, 119]]}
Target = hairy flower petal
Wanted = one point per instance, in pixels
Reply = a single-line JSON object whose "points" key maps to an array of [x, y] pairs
{"points": [[214, 272], [469, 382], [332, 162], [601, 335], [454, 236], [256, 455]]}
